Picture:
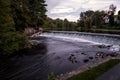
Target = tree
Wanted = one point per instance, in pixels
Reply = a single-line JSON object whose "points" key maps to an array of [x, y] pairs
{"points": [[111, 12], [90, 20], [50, 24], [98, 18], [73, 26], [37, 10], [119, 17], [112, 8], [66, 25], [10, 39], [59, 24], [28, 13], [20, 13], [81, 22], [85, 21]]}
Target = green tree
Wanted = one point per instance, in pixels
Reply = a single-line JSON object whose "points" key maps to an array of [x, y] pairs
{"points": [[10, 39], [73, 26], [37, 12], [19, 11], [98, 19], [81, 22], [59, 24], [66, 25], [119, 17], [28, 13], [111, 12], [50, 24], [85, 20]]}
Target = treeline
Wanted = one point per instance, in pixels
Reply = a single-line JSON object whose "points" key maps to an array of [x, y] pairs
{"points": [[28, 13], [93, 20], [15, 16], [89, 21], [59, 25]]}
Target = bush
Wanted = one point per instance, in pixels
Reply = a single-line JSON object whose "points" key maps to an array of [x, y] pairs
{"points": [[51, 77], [11, 42]]}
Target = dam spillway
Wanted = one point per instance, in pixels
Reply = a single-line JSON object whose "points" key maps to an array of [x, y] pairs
{"points": [[93, 37]]}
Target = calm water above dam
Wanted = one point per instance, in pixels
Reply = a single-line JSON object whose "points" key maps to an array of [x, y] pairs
{"points": [[61, 52]]}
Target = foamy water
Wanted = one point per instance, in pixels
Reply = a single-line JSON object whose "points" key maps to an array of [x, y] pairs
{"points": [[68, 38], [97, 40]]}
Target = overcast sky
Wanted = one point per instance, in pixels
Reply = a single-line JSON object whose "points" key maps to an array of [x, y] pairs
{"points": [[71, 9]]}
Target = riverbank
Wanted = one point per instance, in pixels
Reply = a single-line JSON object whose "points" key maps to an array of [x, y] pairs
{"points": [[84, 68], [31, 48], [105, 31]]}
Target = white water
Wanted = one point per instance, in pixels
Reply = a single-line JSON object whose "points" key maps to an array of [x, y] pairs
{"points": [[67, 37], [94, 38]]}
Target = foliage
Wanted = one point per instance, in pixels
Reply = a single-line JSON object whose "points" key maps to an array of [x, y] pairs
{"points": [[89, 19], [28, 13], [10, 39], [11, 42], [94, 73], [119, 14], [111, 12], [58, 24], [51, 77], [15, 16], [118, 17], [98, 18]]}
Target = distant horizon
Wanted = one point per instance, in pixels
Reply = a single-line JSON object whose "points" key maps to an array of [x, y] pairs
{"points": [[71, 9]]}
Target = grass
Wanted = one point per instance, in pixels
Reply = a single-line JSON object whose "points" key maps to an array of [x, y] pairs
{"points": [[51, 76], [94, 73]]}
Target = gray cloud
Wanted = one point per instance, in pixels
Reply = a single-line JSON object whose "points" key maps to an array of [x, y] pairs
{"points": [[72, 8], [52, 3]]}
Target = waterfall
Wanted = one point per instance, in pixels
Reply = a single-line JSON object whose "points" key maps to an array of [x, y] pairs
{"points": [[96, 38]]}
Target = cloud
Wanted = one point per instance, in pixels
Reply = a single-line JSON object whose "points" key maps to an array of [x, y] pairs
{"points": [[52, 3], [62, 9], [71, 9], [68, 6]]}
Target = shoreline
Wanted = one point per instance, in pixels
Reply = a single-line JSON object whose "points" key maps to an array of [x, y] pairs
{"points": [[83, 68]]}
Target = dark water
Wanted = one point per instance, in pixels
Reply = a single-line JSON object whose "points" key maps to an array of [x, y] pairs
{"points": [[53, 57]]}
